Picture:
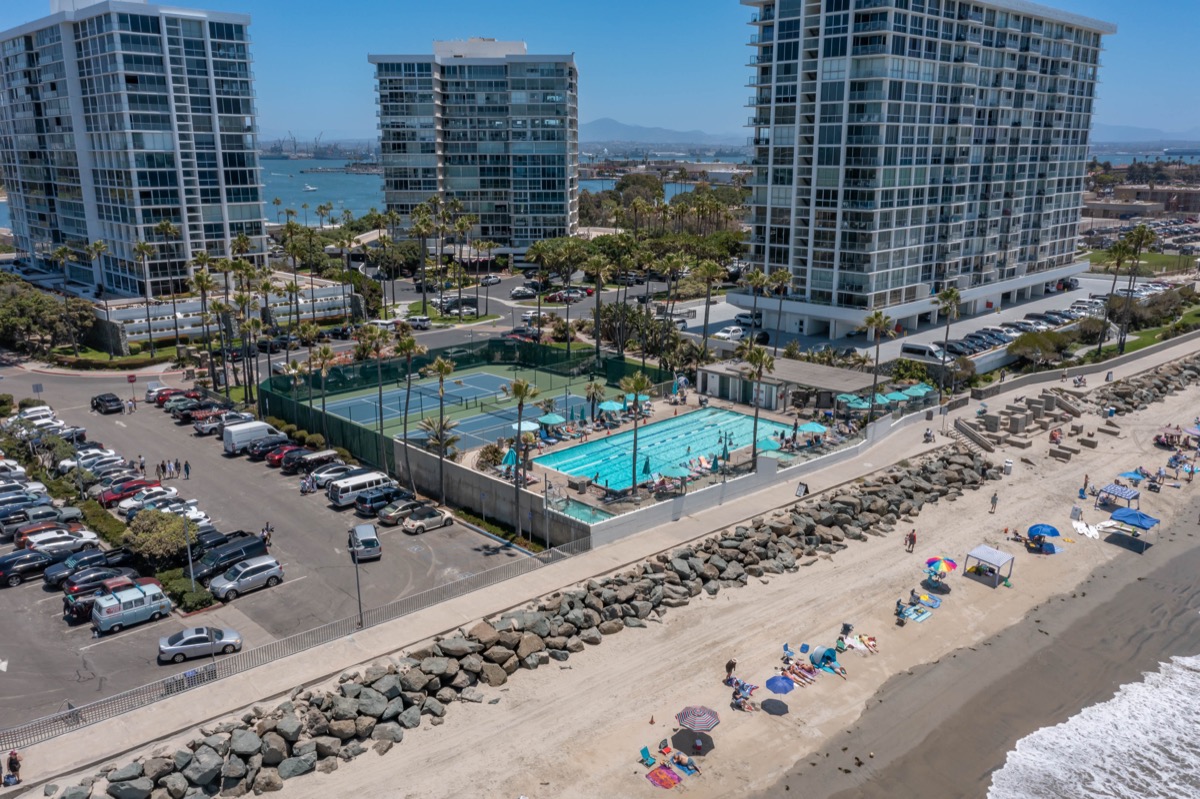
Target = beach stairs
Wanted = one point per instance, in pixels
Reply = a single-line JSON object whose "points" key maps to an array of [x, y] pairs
{"points": [[971, 439]]}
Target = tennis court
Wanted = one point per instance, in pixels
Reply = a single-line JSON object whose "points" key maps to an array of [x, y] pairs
{"points": [[498, 420], [461, 392]]}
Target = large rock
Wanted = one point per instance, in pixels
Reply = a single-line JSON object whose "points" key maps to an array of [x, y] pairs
{"points": [[343, 728], [414, 680], [204, 768], [343, 707], [498, 654], [364, 726], [530, 643], [392, 710], [288, 728], [314, 721], [295, 766], [471, 695], [234, 768], [611, 627], [275, 749], [83, 792], [182, 757], [433, 707], [244, 743], [494, 675], [139, 788], [267, 780], [126, 773], [591, 635], [484, 633], [472, 663], [388, 686], [327, 765], [371, 703], [156, 768], [458, 647], [175, 784], [388, 731], [434, 666], [410, 719]]}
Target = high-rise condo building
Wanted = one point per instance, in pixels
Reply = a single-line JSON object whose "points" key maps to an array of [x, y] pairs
{"points": [[117, 116], [486, 123], [905, 146]]}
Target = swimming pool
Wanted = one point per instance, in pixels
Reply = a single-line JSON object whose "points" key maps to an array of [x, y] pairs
{"points": [[584, 512], [608, 460]]}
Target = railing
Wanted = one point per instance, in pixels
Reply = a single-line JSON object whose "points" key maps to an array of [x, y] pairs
{"points": [[60, 723]]}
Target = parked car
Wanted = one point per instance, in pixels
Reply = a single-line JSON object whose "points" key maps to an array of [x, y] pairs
{"points": [[167, 394], [107, 403], [522, 293], [259, 572], [63, 542], [489, 280], [88, 580], [124, 490], [10, 523], [762, 337], [325, 475], [730, 334], [362, 541], [199, 642], [84, 460], [748, 319], [16, 567], [128, 606], [275, 457], [396, 512], [219, 559], [60, 572], [186, 415], [261, 447], [265, 344], [212, 424], [427, 518], [179, 401], [141, 497], [23, 533], [369, 502], [109, 480]]}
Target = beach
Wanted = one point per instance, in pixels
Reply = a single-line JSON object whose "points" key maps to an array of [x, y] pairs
{"points": [[574, 729]]}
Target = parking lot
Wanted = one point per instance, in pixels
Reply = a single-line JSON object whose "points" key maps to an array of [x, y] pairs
{"points": [[50, 662]]}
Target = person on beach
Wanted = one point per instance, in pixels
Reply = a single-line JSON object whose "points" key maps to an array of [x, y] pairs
{"points": [[912, 540], [14, 767], [729, 667], [995, 502], [868, 641], [683, 760]]}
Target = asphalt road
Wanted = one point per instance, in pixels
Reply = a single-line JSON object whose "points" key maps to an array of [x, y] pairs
{"points": [[50, 662]]}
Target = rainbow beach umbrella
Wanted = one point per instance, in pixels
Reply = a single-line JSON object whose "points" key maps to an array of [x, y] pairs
{"points": [[941, 565]]}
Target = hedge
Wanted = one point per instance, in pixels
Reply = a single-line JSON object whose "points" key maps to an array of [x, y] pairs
{"points": [[196, 600], [300, 437], [6, 404], [85, 364], [30, 402], [102, 523], [316, 441], [345, 455]]}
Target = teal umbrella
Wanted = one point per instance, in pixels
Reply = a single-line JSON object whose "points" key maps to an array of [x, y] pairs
{"points": [[846, 397], [510, 458], [880, 399], [896, 396], [610, 406], [675, 472], [640, 397], [551, 418], [919, 390], [768, 444], [813, 427], [857, 404], [725, 453], [646, 467]]}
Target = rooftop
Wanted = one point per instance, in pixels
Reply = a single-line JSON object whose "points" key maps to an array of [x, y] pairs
{"points": [[801, 373]]}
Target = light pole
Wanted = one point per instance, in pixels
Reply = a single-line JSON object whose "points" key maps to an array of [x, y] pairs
{"points": [[358, 589], [187, 536]]}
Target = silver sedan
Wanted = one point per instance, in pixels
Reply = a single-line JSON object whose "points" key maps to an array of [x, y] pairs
{"points": [[198, 642]]}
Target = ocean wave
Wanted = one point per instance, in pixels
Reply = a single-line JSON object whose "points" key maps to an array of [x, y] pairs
{"points": [[1142, 743]]}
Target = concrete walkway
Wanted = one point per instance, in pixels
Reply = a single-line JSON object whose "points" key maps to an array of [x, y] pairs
{"points": [[106, 741]]}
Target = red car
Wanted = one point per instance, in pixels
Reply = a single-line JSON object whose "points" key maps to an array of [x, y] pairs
{"points": [[124, 491], [275, 456], [194, 393], [161, 398]]}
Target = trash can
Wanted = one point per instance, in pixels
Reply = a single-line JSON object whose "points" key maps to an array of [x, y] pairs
{"points": [[1108, 377], [1112, 412], [1008, 466]]}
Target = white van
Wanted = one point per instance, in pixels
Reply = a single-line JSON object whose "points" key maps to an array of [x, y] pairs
{"points": [[237, 438], [343, 492], [931, 351], [130, 606], [34, 414]]}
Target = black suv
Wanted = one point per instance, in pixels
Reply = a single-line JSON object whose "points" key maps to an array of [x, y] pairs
{"points": [[57, 574], [91, 578], [107, 403], [217, 560], [269, 345], [259, 449], [18, 566], [369, 503]]}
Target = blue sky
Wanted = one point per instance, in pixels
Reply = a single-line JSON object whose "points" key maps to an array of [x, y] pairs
{"points": [[671, 63]]}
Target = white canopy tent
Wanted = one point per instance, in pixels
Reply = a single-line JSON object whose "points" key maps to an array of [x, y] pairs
{"points": [[990, 561]]}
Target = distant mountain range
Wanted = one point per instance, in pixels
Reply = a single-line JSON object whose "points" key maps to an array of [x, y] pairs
{"points": [[1129, 133], [610, 130]]}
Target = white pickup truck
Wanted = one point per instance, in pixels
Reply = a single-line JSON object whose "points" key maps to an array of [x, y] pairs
{"points": [[213, 424]]}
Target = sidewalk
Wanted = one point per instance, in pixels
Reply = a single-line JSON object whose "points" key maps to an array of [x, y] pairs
{"points": [[107, 740]]}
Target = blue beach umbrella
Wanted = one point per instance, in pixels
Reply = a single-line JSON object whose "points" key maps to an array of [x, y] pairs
{"points": [[510, 458], [640, 397], [646, 467], [610, 406], [919, 390], [813, 427], [896, 396], [1045, 530], [880, 399], [768, 444], [551, 419], [1134, 476], [780, 684], [526, 427], [725, 452]]}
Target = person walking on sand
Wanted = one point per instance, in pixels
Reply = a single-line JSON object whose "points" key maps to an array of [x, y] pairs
{"points": [[178, 469], [14, 767], [912, 540], [158, 472], [187, 471], [995, 502], [729, 667]]}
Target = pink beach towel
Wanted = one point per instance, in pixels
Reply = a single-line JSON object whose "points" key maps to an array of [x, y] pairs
{"points": [[663, 777]]}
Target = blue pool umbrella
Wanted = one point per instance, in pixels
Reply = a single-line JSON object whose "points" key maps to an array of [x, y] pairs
{"points": [[768, 444], [780, 684], [846, 398], [551, 418], [526, 427], [1044, 530], [880, 399], [812, 427], [675, 388], [510, 458], [610, 406], [896, 396], [1135, 476], [640, 397], [919, 390], [675, 472], [858, 404], [725, 452], [646, 466]]}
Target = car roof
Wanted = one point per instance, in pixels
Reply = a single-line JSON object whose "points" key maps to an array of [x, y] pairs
{"points": [[257, 560]]}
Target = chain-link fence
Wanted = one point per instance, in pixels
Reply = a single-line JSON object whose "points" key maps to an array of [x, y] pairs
{"points": [[63, 722]]}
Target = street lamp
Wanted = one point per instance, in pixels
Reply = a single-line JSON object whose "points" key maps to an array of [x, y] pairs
{"points": [[357, 587]]}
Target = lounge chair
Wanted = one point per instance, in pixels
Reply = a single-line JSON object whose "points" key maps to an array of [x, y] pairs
{"points": [[648, 759], [788, 653]]}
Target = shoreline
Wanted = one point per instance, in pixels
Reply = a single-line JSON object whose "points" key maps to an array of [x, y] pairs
{"points": [[1072, 651]]}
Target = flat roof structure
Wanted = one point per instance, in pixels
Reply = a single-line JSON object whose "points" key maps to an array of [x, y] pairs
{"points": [[800, 373]]}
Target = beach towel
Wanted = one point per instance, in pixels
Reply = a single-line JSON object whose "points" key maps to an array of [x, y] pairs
{"points": [[663, 777], [917, 613], [691, 772], [931, 601]]}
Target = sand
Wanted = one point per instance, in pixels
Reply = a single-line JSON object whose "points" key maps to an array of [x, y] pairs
{"points": [[575, 729]]}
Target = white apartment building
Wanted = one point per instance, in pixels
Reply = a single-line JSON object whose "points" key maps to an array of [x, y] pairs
{"points": [[486, 123], [116, 116], [906, 146]]}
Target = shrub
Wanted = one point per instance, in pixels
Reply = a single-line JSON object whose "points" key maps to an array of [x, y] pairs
{"points": [[195, 600], [159, 537], [491, 455], [6, 403], [300, 437], [316, 441], [288, 430], [275, 422], [905, 369], [102, 523], [135, 348], [30, 402], [169, 575], [345, 455]]}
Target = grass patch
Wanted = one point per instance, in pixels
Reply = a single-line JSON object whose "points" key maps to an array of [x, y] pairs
{"points": [[418, 309], [98, 359], [1151, 263], [499, 530]]}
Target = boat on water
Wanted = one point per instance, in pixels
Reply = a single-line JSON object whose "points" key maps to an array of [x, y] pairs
{"points": [[309, 188]]}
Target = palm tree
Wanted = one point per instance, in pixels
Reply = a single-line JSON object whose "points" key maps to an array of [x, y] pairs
{"points": [[1119, 253], [758, 362], [756, 281], [594, 393], [204, 283], [375, 341], [166, 230], [708, 272], [599, 270], [439, 433], [345, 242], [522, 391], [637, 384], [291, 290], [1140, 238], [408, 348], [320, 362], [95, 251], [265, 289], [144, 250], [779, 282], [421, 228], [277, 202], [308, 333], [441, 368], [487, 246], [877, 324], [251, 332], [947, 304], [571, 255]]}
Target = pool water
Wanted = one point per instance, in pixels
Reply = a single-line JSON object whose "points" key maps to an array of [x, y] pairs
{"points": [[584, 512], [608, 459]]}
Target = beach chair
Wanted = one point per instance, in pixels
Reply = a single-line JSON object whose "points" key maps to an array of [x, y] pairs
{"points": [[788, 653], [648, 759]]}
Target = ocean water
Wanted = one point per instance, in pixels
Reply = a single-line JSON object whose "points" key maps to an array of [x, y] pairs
{"points": [[1141, 744], [603, 184], [284, 179]]}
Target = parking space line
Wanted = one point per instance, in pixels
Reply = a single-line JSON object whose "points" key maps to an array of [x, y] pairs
{"points": [[48, 599]]}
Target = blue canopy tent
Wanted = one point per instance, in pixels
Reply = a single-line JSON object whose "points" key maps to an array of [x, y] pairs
{"points": [[1115, 491], [824, 658], [1132, 517]]}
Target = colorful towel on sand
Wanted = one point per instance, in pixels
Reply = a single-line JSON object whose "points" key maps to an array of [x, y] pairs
{"points": [[691, 772], [663, 777], [931, 601], [917, 613]]}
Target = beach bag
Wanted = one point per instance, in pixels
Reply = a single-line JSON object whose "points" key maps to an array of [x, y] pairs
{"points": [[9, 780]]}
